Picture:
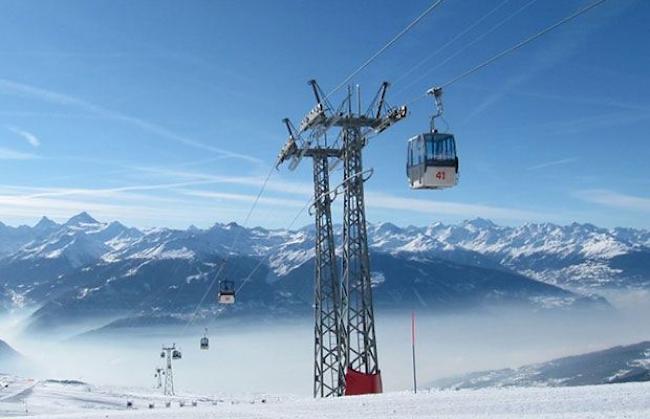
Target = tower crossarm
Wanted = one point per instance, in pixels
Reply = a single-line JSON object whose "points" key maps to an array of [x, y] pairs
{"points": [[319, 113], [323, 152], [392, 116]]}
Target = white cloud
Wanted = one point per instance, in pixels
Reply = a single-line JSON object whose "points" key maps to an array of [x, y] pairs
{"points": [[31, 138], [279, 185], [8, 154], [553, 163], [281, 202], [456, 209], [143, 213], [613, 199], [12, 87], [109, 192]]}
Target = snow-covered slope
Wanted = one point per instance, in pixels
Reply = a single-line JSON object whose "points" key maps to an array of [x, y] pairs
{"points": [[69, 399], [46, 398], [7, 353]]}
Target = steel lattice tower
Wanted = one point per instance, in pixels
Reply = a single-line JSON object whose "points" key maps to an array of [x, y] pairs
{"points": [[168, 354], [345, 347], [169, 374]]}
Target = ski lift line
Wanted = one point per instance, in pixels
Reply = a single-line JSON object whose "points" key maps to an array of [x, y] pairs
{"points": [[308, 204], [255, 269], [452, 40], [262, 260], [224, 262], [513, 48], [248, 277], [233, 244], [471, 43], [385, 47]]}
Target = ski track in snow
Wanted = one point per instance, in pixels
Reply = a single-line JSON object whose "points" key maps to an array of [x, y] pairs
{"points": [[56, 400]]}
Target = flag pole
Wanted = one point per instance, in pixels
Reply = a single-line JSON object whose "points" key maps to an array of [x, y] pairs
{"points": [[415, 382]]}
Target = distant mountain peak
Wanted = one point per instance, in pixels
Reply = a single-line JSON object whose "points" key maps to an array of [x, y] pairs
{"points": [[82, 218], [45, 223], [479, 222], [7, 352], [387, 227]]}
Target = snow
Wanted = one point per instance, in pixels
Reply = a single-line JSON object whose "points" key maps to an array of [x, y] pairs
{"points": [[585, 275], [84, 401], [17, 300], [161, 252], [134, 271], [377, 278], [553, 302]]}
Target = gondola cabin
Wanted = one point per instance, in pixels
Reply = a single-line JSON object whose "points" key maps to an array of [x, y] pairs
{"points": [[205, 343], [226, 292], [176, 354], [432, 162]]}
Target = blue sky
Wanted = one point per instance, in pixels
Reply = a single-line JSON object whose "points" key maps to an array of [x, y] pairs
{"points": [[163, 113]]}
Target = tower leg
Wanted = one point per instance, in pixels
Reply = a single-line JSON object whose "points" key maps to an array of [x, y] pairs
{"points": [[329, 379], [362, 374]]}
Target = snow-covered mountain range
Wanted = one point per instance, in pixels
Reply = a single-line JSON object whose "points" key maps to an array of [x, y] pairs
{"points": [[576, 256], [84, 265], [620, 364]]}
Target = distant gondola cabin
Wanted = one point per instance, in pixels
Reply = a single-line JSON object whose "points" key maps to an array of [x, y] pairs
{"points": [[205, 343], [226, 292]]}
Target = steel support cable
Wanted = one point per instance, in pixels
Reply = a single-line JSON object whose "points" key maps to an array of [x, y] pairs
{"points": [[254, 270], [515, 47], [232, 246], [464, 47], [262, 260], [308, 204], [385, 47], [524, 42], [451, 41]]}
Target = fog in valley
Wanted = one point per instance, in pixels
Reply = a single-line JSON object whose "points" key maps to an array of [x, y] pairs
{"points": [[276, 356]]}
